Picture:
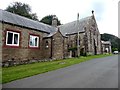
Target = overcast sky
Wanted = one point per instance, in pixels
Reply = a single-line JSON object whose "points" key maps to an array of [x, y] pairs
{"points": [[106, 11]]}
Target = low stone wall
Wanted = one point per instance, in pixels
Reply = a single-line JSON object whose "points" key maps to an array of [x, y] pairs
{"points": [[12, 62]]}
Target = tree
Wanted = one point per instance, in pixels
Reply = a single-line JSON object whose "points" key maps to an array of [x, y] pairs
{"points": [[48, 20], [21, 9]]}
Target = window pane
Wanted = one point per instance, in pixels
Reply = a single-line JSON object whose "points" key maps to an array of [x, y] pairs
{"points": [[31, 41], [9, 38], [36, 40], [15, 38]]}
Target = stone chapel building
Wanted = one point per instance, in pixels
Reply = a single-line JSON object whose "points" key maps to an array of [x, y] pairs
{"points": [[106, 47], [24, 39]]}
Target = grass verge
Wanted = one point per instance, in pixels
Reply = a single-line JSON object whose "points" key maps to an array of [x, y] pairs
{"points": [[17, 72]]}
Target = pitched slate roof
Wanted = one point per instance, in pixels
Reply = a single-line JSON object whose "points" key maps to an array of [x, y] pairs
{"points": [[22, 21], [106, 42], [68, 28], [75, 26], [53, 33]]}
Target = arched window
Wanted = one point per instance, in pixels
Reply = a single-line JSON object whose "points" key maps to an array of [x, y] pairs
{"points": [[97, 39], [79, 41], [71, 43], [90, 36], [76, 40]]}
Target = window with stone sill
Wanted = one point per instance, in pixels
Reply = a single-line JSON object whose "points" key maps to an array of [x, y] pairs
{"points": [[12, 38], [34, 41]]}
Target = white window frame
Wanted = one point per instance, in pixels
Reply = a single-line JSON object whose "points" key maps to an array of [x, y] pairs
{"points": [[34, 36], [13, 38]]}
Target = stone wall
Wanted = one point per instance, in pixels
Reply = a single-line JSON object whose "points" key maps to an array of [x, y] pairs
{"points": [[0, 43], [72, 42], [57, 46], [94, 39], [65, 52], [72, 45], [23, 52], [47, 48]]}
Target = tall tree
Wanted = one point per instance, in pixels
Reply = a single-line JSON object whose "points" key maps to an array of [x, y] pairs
{"points": [[22, 9], [48, 20]]}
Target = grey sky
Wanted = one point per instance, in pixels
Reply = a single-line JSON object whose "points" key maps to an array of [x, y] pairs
{"points": [[106, 11]]}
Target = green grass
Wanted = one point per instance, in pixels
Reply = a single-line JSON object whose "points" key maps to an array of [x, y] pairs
{"points": [[22, 71]]}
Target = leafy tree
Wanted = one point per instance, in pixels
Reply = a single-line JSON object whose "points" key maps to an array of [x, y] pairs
{"points": [[21, 9], [114, 49], [48, 20]]}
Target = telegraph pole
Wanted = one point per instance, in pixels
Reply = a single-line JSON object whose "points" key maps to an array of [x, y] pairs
{"points": [[78, 43]]}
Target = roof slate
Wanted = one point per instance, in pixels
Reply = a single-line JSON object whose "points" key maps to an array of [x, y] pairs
{"points": [[69, 28], [106, 42], [22, 21], [75, 26]]}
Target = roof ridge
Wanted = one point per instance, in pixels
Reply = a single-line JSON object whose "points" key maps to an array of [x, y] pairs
{"points": [[72, 27]]}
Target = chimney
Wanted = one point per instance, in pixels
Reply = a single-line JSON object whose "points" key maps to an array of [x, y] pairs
{"points": [[54, 21], [92, 11]]}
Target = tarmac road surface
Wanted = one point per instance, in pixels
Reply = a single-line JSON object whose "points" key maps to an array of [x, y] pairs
{"points": [[96, 73]]}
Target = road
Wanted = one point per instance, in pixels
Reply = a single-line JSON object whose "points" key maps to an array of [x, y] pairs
{"points": [[96, 73]]}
